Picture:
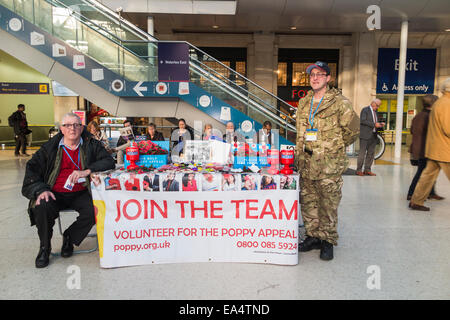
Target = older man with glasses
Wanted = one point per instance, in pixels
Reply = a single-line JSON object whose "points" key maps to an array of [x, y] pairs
{"points": [[57, 178], [369, 126]]}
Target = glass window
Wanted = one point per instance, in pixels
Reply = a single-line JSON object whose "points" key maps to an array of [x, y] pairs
{"points": [[299, 75], [241, 69], [217, 70], [301, 79], [282, 74]]}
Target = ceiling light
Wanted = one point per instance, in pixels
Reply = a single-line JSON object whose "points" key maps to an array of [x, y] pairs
{"points": [[293, 28], [215, 27]]}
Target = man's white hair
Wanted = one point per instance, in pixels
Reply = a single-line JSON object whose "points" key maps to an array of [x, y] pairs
{"points": [[445, 86], [70, 115], [376, 100]]}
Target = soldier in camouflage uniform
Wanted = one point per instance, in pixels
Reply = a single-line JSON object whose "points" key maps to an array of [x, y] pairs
{"points": [[326, 124]]}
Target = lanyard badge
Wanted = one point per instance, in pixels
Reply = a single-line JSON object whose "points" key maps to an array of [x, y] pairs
{"points": [[311, 134], [76, 165]]}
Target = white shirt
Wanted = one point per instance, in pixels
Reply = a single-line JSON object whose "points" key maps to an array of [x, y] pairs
{"points": [[375, 120]]}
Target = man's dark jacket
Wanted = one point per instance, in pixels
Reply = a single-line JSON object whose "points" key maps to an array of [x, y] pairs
{"points": [[419, 127], [367, 124], [43, 168], [158, 136], [16, 118]]}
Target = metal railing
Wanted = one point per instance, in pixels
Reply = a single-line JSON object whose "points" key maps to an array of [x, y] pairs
{"points": [[123, 48]]}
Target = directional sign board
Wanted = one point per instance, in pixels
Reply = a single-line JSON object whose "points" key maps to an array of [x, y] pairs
{"points": [[420, 71], [173, 61]]}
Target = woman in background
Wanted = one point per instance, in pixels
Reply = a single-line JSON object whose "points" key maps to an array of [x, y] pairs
{"points": [[99, 135]]}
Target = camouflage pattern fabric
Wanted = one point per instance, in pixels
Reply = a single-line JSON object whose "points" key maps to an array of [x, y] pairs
{"points": [[338, 126], [322, 162], [319, 201]]}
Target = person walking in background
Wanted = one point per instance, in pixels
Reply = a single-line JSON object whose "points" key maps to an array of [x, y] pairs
{"points": [[437, 149], [368, 138], [419, 126], [18, 120]]}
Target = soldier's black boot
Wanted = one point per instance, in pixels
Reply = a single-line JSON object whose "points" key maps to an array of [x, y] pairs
{"points": [[42, 259], [326, 252], [310, 243]]}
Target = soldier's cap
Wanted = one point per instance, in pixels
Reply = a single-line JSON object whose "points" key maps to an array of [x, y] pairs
{"points": [[318, 64]]}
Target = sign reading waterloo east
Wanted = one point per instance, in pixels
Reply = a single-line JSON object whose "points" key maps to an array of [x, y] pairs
{"points": [[420, 71], [23, 88], [173, 61]]}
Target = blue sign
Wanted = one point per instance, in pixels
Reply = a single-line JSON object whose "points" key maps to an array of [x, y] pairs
{"points": [[23, 88], [420, 70], [173, 61]]}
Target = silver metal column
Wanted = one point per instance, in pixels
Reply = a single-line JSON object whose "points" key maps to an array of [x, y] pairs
{"points": [[401, 91]]}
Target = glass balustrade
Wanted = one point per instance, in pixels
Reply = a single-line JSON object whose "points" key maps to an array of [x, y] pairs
{"points": [[121, 47]]}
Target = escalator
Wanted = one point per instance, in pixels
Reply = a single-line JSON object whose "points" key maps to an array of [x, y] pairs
{"points": [[93, 51]]}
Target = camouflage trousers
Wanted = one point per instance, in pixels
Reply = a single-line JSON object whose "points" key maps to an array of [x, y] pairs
{"points": [[319, 201]]}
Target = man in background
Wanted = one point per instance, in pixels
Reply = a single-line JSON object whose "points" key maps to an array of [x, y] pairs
{"points": [[419, 127], [437, 149], [18, 120], [368, 137]]}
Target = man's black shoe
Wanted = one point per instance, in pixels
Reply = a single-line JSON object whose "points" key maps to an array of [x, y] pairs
{"points": [[309, 244], [326, 252], [42, 259], [67, 247]]}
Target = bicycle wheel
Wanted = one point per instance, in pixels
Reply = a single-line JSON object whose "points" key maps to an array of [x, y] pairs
{"points": [[380, 147]]}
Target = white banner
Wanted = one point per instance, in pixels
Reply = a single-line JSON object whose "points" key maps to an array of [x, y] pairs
{"points": [[150, 225]]}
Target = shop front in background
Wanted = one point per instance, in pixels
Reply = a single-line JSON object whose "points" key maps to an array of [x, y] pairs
{"points": [[293, 81]]}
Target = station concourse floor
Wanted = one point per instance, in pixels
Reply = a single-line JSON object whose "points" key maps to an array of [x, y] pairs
{"points": [[410, 249]]}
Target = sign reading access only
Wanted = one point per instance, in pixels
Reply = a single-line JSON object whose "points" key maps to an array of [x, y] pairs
{"points": [[420, 71]]}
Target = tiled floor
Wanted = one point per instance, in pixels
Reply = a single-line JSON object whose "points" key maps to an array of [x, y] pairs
{"points": [[410, 249]]}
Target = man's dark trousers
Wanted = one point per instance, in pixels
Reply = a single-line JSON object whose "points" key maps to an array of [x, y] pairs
{"points": [[21, 143], [366, 153], [422, 163], [46, 213]]}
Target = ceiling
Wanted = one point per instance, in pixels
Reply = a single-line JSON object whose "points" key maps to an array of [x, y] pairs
{"points": [[307, 16]]}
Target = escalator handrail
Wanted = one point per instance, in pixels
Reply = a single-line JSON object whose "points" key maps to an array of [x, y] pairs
{"points": [[146, 36], [142, 34]]}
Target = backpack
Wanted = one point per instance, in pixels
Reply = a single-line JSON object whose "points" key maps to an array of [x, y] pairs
{"points": [[11, 120]]}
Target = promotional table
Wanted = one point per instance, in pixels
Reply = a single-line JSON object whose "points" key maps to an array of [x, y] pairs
{"points": [[196, 217]]}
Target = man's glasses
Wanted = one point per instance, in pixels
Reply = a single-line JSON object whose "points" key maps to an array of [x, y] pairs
{"points": [[317, 75], [72, 125]]}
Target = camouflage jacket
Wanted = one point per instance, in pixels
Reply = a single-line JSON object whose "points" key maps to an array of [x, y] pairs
{"points": [[337, 126]]}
